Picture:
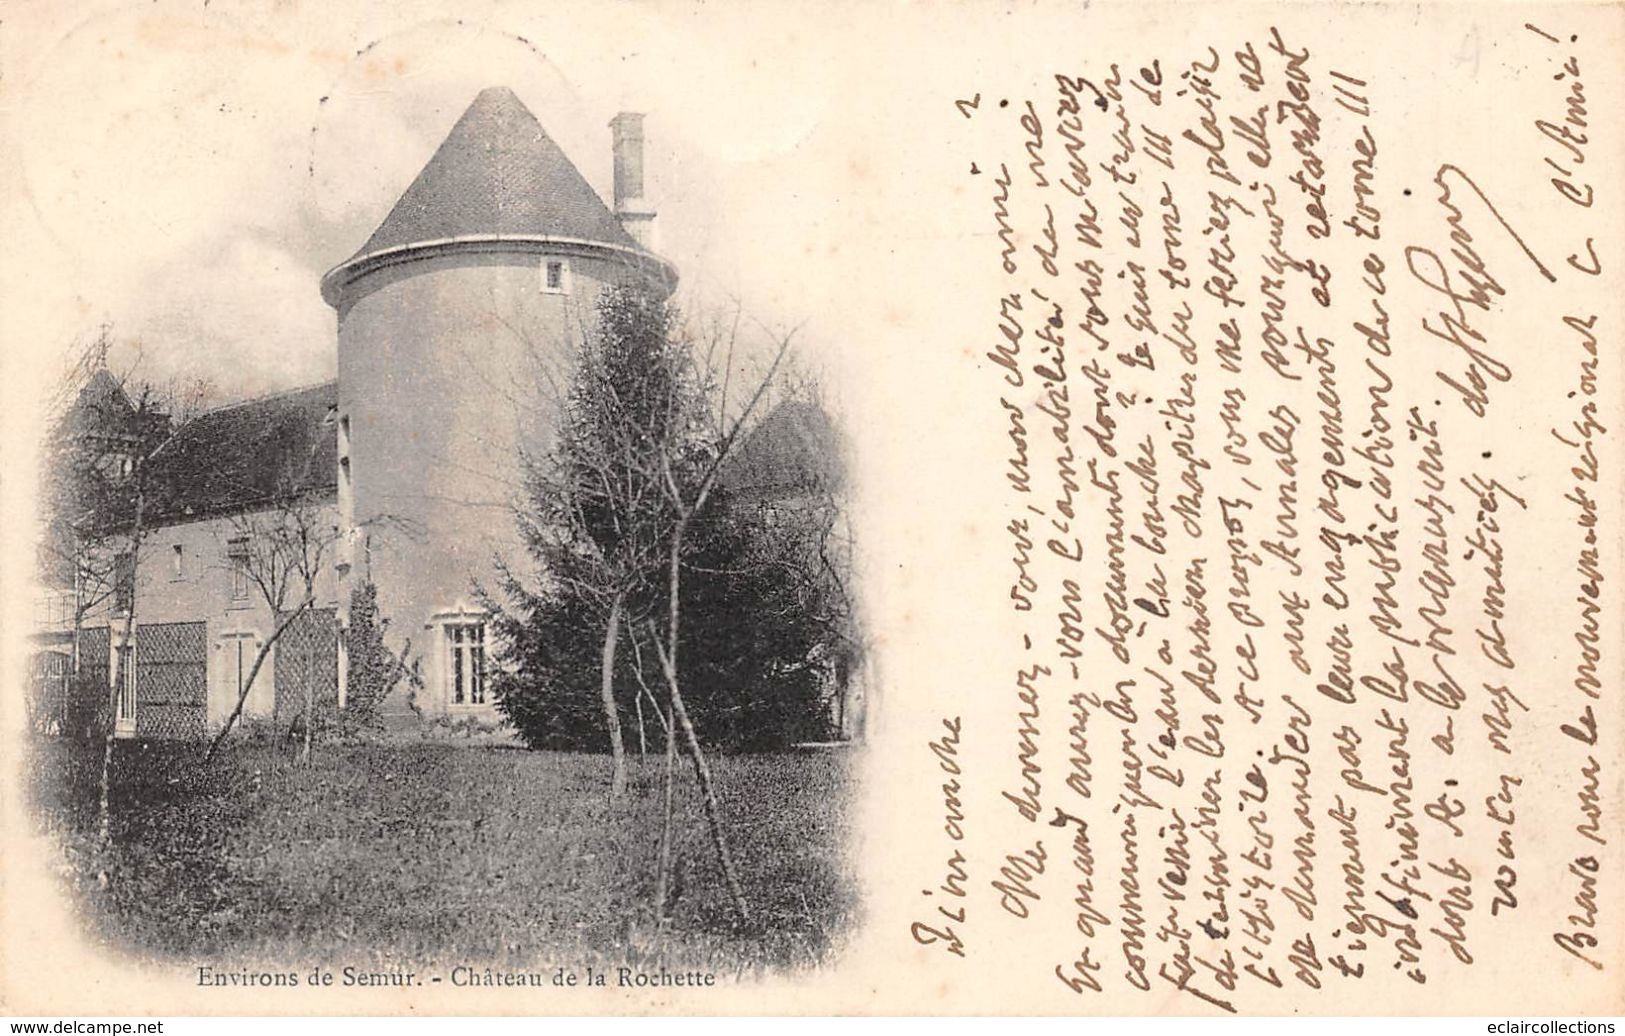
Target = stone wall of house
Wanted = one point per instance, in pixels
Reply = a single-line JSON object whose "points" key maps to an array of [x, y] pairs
{"points": [[184, 580]]}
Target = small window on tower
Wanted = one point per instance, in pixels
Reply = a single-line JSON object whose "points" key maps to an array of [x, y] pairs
{"points": [[556, 277]]}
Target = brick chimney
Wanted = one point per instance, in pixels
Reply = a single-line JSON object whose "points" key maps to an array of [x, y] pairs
{"points": [[631, 208]]}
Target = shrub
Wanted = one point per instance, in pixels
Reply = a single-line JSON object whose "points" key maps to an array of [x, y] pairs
{"points": [[372, 670]]}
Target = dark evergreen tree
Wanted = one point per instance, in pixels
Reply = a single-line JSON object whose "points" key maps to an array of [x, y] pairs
{"points": [[597, 525]]}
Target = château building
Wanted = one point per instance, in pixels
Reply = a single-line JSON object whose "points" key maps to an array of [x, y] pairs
{"points": [[457, 321]]}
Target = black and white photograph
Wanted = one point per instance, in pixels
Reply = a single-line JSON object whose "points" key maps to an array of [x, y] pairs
{"points": [[717, 509], [471, 596]]}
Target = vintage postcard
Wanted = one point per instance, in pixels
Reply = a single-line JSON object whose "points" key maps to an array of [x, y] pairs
{"points": [[854, 508]]}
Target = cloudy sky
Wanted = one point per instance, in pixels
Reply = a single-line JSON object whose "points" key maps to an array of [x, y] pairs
{"points": [[186, 172], [170, 168]]}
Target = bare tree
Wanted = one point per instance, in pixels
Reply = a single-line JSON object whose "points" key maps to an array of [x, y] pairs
{"points": [[688, 498], [95, 435], [281, 550], [100, 490], [85, 453]]}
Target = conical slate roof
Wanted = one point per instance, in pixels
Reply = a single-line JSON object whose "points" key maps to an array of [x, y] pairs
{"points": [[498, 172]]}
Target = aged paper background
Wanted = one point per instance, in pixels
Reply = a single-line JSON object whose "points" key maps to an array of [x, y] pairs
{"points": [[159, 160]]}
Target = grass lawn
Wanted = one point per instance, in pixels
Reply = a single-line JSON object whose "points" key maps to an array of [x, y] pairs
{"points": [[446, 854]]}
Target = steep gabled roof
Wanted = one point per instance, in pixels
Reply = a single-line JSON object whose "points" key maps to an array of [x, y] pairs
{"points": [[793, 450], [498, 172], [102, 408], [247, 455]]}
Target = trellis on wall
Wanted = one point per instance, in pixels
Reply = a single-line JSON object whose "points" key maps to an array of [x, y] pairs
{"points": [[307, 654], [171, 680]]}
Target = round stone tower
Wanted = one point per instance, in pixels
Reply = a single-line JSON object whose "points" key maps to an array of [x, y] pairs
{"points": [[458, 322]]}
